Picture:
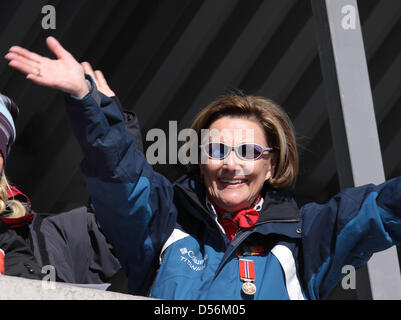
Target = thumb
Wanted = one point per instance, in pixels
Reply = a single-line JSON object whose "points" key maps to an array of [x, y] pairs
{"points": [[57, 48]]}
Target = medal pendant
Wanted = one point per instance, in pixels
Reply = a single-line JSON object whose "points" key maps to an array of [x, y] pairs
{"points": [[247, 274], [249, 288]]}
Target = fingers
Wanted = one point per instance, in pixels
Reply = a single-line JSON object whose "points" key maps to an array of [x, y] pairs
{"points": [[100, 78], [57, 48], [33, 73], [64, 74], [88, 70], [24, 60], [26, 54], [38, 80], [53, 45], [22, 64]]}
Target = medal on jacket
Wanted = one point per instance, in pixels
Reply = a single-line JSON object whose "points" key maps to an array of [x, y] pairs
{"points": [[247, 274]]}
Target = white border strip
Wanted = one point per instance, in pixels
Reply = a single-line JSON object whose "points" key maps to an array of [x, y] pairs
{"points": [[284, 256]]}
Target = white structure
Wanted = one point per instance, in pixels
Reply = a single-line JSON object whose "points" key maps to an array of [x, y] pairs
{"points": [[13, 288]]}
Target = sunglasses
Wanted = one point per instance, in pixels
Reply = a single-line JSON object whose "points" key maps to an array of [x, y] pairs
{"points": [[246, 151]]}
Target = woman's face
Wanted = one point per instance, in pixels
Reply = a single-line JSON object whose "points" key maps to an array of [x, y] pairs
{"points": [[232, 183]]}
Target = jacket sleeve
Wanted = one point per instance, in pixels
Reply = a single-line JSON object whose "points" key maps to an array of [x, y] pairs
{"points": [[133, 203], [132, 123], [347, 230], [16, 258]]}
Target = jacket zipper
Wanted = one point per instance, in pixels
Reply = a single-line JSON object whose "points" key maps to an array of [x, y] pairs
{"points": [[264, 222], [278, 220]]}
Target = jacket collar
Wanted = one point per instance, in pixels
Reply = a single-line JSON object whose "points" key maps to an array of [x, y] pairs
{"points": [[278, 215]]}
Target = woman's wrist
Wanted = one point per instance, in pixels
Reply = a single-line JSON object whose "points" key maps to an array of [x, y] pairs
{"points": [[83, 90]]}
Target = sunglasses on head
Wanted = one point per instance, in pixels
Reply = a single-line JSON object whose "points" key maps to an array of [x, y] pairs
{"points": [[245, 151]]}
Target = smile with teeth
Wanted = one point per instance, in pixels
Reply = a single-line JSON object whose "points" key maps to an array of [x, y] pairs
{"points": [[232, 181]]}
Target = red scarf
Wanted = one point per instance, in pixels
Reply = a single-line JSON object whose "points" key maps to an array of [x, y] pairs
{"points": [[245, 218]]}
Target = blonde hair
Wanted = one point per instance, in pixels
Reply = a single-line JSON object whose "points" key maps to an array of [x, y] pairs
{"points": [[18, 210], [274, 120]]}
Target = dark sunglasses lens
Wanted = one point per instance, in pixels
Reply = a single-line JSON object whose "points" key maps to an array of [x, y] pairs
{"points": [[217, 150], [249, 151]]}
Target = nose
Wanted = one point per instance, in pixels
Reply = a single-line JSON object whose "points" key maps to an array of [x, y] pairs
{"points": [[232, 162], [236, 165]]}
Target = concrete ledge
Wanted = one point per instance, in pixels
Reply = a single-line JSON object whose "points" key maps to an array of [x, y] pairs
{"points": [[14, 288]]}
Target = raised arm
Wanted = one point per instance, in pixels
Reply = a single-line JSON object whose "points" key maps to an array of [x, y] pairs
{"points": [[63, 73], [133, 203], [130, 118], [347, 230]]}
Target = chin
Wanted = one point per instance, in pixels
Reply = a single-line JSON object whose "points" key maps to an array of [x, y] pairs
{"points": [[234, 204]]}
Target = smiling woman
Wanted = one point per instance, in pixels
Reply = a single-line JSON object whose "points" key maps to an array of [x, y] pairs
{"points": [[268, 117], [233, 211], [232, 181]]}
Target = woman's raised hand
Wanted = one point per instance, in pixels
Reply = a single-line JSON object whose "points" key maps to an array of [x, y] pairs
{"points": [[100, 80], [64, 73]]}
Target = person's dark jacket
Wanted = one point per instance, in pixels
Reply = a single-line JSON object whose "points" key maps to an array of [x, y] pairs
{"points": [[73, 243], [16, 258]]}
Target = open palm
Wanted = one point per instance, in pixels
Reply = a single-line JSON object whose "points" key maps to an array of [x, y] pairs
{"points": [[63, 73]]}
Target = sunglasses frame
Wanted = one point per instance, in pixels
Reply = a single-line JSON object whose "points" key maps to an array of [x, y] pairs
{"points": [[235, 148]]}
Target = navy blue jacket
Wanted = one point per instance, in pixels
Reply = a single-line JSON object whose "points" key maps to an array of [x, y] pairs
{"points": [[171, 246]]}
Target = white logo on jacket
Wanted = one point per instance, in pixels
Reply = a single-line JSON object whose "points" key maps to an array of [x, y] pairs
{"points": [[189, 257]]}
